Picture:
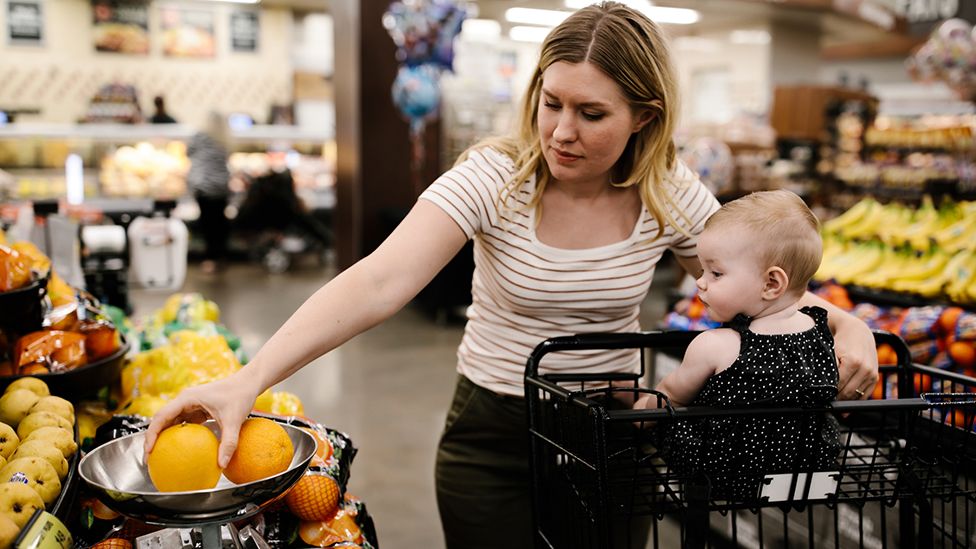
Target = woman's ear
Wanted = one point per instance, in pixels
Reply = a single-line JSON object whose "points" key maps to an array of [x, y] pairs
{"points": [[776, 283], [644, 117]]}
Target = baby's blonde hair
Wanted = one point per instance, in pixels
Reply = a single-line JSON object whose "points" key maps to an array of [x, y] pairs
{"points": [[783, 229]]}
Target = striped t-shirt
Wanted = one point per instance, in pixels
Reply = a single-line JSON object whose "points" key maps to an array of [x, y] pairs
{"points": [[524, 291]]}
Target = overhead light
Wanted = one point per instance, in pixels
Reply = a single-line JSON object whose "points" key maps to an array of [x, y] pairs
{"points": [[750, 37], [534, 16], [658, 14], [481, 29], [528, 34], [696, 44], [237, 1]]}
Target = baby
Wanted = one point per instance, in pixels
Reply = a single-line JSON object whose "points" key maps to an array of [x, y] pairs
{"points": [[758, 254]]}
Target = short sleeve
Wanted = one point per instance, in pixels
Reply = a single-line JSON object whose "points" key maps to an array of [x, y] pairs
{"points": [[469, 191], [693, 205]]}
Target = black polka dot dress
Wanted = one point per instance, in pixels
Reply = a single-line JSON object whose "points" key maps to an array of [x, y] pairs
{"points": [[784, 370]]}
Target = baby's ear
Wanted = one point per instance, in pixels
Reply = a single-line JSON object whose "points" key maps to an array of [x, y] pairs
{"points": [[776, 283]]}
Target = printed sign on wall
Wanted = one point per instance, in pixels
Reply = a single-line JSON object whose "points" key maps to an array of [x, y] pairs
{"points": [[121, 26], [187, 32], [245, 27], [25, 22]]}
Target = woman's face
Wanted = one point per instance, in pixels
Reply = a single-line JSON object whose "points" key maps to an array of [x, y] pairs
{"points": [[584, 122]]}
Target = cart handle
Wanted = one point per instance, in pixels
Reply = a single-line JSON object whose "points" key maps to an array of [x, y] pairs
{"points": [[606, 341], [670, 339]]}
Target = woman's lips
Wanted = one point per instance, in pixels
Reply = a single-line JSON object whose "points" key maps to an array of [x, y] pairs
{"points": [[565, 156]]}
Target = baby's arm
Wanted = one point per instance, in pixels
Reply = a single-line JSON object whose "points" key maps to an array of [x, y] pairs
{"points": [[709, 353]]}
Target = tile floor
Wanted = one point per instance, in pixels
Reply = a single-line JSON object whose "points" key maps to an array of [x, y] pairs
{"points": [[388, 389]]}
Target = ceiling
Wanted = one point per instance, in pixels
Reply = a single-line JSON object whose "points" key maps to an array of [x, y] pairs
{"points": [[716, 15]]}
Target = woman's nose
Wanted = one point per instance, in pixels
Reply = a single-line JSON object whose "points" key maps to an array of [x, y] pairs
{"points": [[565, 130]]}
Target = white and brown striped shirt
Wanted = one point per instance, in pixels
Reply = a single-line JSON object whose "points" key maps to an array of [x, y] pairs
{"points": [[524, 291]]}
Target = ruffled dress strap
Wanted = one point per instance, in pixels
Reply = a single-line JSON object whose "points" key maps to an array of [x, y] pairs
{"points": [[819, 316], [740, 324]]}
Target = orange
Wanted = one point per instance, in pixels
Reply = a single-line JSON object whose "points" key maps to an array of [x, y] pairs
{"points": [[99, 510], [324, 449], [963, 353], [113, 543], [325, 533], [878, 393], [948, 319], [184, 458], [315, 497], [923, 384], [263, 450], [957, 418], [887, 354]]}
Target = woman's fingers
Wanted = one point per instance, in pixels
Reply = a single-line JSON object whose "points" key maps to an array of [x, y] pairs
{"points": [[857, 378]]}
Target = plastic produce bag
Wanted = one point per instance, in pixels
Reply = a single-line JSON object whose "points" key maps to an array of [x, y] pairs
{"points": [[38, 261], [101, 338], [15, 270], [49, 351]]}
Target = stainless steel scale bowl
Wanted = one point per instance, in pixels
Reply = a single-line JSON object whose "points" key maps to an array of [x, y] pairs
{"points": [[116, 472]]}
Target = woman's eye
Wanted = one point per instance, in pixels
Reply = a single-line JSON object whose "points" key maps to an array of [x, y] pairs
{"points": [[553, 106], [592, 116]]}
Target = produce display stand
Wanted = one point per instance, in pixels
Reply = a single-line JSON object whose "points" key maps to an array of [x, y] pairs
{"points": [[114, 471], [905, 475]]}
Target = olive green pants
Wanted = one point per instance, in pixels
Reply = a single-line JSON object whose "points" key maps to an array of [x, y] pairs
{"points": [[483, 478], [482, 471]]}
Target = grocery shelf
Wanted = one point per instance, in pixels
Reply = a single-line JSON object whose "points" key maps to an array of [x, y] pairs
{"points": [[898, 299], [97, 132], [127, 133]]}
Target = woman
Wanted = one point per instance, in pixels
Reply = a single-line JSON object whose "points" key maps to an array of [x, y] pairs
{"points": [[569, 216]]}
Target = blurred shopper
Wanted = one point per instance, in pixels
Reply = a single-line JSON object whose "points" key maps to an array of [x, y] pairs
{"points": [[569, 215], [160, 116], [208, 181]]}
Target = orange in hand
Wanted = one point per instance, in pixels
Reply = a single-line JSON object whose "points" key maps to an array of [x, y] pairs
{"points": [[263, 450], [184, 458]]}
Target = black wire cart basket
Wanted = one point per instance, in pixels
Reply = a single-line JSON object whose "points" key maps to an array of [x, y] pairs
{"points": [[904, 473]]}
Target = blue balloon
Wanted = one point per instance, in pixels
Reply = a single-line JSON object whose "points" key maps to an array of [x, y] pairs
{"points": [[416, 93], [424, 31]]}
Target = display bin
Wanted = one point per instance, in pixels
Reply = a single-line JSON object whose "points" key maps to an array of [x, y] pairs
{"points": [[905, 475]]}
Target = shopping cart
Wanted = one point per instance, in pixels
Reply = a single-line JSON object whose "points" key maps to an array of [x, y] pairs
{"points": [[905, 475]]}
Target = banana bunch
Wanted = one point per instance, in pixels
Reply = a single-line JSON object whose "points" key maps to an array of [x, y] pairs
{"points": [[926, 251], [961, 286], [960, 234], [951, 227], [845, 263]]}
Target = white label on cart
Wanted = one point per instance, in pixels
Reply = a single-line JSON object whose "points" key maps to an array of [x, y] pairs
{"points": [[777, 487]]}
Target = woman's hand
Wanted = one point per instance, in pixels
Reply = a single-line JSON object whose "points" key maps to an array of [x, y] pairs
{"points": [[227, 400], [857, 359]]}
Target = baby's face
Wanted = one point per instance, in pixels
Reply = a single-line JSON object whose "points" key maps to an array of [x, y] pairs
{"points": [[732, 280]]}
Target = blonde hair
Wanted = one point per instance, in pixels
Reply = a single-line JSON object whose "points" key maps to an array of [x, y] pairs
{"points": [[784, 230], [631, 50]]}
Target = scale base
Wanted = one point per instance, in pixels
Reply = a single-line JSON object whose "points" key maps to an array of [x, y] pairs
{"points": [[207, 536]]}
